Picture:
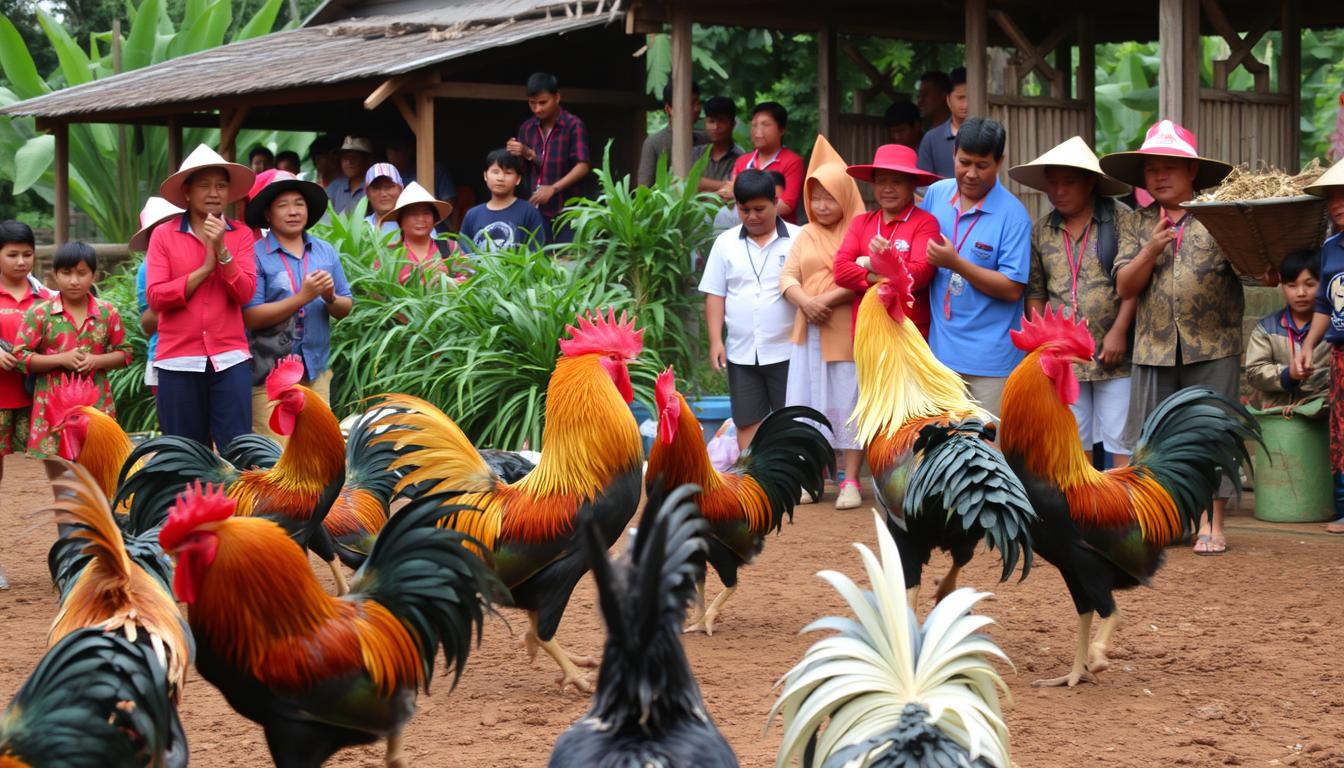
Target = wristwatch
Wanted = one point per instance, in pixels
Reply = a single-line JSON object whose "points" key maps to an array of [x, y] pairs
{"points": [[227, 258]]}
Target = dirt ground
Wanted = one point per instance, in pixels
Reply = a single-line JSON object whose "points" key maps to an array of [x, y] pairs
{"points": [[1226, 661]]}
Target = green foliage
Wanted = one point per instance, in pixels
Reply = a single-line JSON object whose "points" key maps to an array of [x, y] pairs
{"points": [[646, 239], [135, 403], [1322, 89]]}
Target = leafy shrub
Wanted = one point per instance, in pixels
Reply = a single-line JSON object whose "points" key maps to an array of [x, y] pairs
{"points": [[135, 403]]}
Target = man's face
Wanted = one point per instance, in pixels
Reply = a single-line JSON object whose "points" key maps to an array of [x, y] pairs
{"points": [[765, 132], [1069, 189], [1170, 180], [382, 194], [207, 191], [260, 163], [907, 134], [288, 213], [354, 164], [695, 108], [16, 261], [402, 157], [327, 164], [719, 129], [975, 174], [758, 215], [1334, 203], [931, 99], [545, 105], [958, 102], [287, 164]]}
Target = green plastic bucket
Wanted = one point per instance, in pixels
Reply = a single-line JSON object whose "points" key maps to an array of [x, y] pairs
{"points": [[1292, 471]]}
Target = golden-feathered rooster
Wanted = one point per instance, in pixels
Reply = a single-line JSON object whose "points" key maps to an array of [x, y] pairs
{"points": [[887, 693], [89, 437], [590, 468], [95, 700], [117, 584], [749, 501], [321, 673], [935, 472], [1106, 530]]}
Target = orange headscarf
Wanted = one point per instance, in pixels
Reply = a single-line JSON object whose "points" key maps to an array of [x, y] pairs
{"points": [[827, 168]]}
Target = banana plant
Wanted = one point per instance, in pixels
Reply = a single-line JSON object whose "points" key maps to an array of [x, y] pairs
{"points": [[108, 184]]}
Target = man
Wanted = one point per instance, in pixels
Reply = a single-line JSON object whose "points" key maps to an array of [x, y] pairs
{"points": [[288, 161], [261, 159], [356, 154], [934, 86], [1073, 250], [983, 262], [325, 154], [659, 144], [720, 120], [936, 148], [769, 121], [554, 144], [1187, 330], [382, 185], [902, 123]]}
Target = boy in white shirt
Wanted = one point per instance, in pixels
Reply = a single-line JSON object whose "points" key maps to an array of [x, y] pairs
{"points": [[741, 286]]}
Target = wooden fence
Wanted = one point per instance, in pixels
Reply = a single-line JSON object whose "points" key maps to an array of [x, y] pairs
{"points": [[1242, 127], [1034, 125]]}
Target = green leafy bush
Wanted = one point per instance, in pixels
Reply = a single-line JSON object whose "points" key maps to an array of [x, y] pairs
{"points": [[135, 403]]}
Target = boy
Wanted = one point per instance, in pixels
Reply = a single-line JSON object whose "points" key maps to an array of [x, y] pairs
{"points": [[902, 123], [937, 147], [720, 120], [983, 262], [505, 220], [382, 186], [1271, 350], [931, 97], [554, 147], [769, 121], [659, 144], [288, 160], [1327, 324], [741, 287], [260, 159], [73, 332]]}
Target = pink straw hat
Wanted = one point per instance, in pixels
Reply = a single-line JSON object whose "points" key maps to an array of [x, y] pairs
{"points": [[897, 158], [1165, 139]]}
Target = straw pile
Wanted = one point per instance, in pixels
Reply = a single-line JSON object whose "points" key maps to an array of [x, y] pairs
{"points": [[1263, 183]]}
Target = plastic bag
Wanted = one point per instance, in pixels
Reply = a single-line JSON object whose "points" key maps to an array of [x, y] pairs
{"points": [[723, 450]]}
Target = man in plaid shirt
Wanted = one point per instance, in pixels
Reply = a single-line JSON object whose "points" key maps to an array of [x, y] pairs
{"points": [[554, 145]]}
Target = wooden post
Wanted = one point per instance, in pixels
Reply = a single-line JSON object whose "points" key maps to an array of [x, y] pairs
{"points": [[1179, 53], [828, 90], [681, 90], [1290, 76], [174, 143], [230, 122], [123, 157], [424, 143], [1085, 85], [977, 40], [62, 181]]}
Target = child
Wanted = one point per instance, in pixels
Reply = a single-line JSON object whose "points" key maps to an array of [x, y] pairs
{"points": [[769, 121], [74, 332], [505, 220], [741, 287], [1327, 324], [1277, 337]]}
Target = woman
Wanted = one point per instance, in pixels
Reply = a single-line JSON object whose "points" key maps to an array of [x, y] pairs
{"points": [[897, 229], [300, 286], [199, 273], [156, 211], [416, 213], [821, 369]]}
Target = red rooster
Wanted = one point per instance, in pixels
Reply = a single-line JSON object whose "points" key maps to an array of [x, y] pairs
{"points": [[935, 472], [746, 503], [590, 468], [1106, 530], [89, 437], [322, 673]]}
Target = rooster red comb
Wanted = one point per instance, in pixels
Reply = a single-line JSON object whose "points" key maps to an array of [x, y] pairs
{"points": [[71, 393], [600, 335], [286, 373], [1055, 329], [197, 505], [897, 293], [665, 388]]}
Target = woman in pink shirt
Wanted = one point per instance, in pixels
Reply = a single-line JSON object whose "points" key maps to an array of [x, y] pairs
{"points": [[199, 273], [416, 214]]}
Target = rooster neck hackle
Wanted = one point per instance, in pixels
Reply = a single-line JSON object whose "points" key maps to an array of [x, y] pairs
{"points": [[315, 451], [1042, 430], [105, 448], [685, 460]]}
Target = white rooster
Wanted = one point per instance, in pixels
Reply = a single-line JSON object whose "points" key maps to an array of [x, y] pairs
{"points": [[890, 692]]}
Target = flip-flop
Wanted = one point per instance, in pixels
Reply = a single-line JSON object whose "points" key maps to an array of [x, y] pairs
{"points": [[1208, 542]]}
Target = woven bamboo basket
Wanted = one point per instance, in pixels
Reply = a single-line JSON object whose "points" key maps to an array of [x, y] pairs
{"points": [[1257, 234]]}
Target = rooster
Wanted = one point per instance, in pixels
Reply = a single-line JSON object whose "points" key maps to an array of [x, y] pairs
{"points": [[95, 700], [590, 469], [1106, 530], [748, 502], [935, 472], [320, 673], [298, 491], [117, 584], [648, 710], [88, 436], [890, 693]]}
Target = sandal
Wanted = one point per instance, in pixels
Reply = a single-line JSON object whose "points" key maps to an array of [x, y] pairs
{"points": [[1207, 546]]}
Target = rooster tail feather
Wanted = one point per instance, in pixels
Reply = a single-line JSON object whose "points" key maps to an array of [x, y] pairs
{"points": [[368, 464], [95, 699], [1192, 440], [252, 451], [960, 474], [440, 451], [170, 464], [786, 456], [430, 580]]}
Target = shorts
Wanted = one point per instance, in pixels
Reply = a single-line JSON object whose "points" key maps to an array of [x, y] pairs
{"points": [[1151, 384], [261, 405], [1102, 411], [987, 391], [14, 428], [756, 390]]}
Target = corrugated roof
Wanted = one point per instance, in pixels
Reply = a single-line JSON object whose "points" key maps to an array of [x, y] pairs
{"points": [[343, 51], [444, 12]]}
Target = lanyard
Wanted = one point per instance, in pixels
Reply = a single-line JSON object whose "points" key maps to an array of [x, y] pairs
{"points": [[295, 283], [956, 229], [1180, 231], [1075, 268], [746, 243]]}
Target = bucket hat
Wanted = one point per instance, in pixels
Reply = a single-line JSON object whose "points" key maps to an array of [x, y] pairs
{"points": [[1164, 139], [202, 157], [357, 144], [1073, 153]]}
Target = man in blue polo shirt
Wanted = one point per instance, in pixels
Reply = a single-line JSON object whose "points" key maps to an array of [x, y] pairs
{"points": [[983, 261]]}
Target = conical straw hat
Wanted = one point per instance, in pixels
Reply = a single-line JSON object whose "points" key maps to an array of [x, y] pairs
{"points": [[240, 176], [414, 194], [1331, 178], [1073, 153], [156, 211]]}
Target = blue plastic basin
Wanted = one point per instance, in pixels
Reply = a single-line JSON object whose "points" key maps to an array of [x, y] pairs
{"points": [[712, 411]]}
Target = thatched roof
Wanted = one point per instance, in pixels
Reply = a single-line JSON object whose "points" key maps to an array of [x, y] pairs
{"points": [[346, 51]]}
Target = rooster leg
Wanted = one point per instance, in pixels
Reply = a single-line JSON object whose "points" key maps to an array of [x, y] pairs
{"points": [[529, 641], [948, 585], [706, 622], [1098, 662], [1079, 671], [342, 585], [570, 674], [394, 758], [698, 604]]}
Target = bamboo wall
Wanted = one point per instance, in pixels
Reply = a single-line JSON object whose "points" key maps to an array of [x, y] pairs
{"points": [[1248, 128], [1035, 125]]}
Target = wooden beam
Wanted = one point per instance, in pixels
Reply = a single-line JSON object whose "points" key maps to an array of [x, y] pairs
{"points": [[1033, 57], [828, 87], [174, 142], [390, 87], [1290, 75], [1085, 86], [682, 76], [230, 122], [875, 77], [977, 40], [407, 112], [502, 92], [1179, 51], [424, 143], [62, 182]]}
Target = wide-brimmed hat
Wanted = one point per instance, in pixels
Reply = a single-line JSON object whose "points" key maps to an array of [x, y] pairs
{"points": [[897, 158], [1334, 177], [357, 144], [270, 184], [1164, 139], [201, 158], [156, 211], [1073, 153], [414, 194]]}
